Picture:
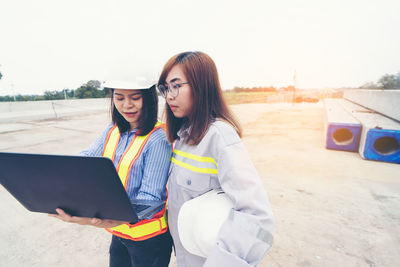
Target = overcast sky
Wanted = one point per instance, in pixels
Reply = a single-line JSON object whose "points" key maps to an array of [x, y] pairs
{"points": [[51, 45]]}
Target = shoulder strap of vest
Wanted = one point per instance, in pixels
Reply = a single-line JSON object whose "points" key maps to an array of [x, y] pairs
{"points": [[131, 153], [111, 143]]}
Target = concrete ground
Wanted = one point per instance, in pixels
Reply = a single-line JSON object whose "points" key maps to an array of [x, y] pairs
{"points": [[332, 208]]}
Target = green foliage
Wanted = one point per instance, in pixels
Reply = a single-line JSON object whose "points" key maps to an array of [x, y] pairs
{"points": [[91, 89], [387, 81], [94, 83], [53, 95], [58, 95], [390, 81], [69, 93], [8, 98]]}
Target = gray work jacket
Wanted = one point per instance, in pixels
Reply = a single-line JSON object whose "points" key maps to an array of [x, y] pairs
{"points": [[246, 236]]}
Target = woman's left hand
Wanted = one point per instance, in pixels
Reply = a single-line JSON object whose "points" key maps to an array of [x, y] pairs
{"points": [[62, 215]]}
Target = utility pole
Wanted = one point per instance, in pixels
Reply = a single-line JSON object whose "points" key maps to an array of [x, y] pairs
{"points": [[65, 94], [13, 92]]}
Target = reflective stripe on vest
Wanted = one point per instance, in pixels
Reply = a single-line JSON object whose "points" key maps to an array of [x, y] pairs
{"points": [[146, 228], [194, 163]]}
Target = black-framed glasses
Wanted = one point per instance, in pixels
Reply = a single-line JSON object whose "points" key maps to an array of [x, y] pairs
{"points": [[171, 88]]}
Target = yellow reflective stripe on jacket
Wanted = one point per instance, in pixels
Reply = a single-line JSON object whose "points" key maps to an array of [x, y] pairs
{"points": [[195, 157], [145, 229], [194, 162]]}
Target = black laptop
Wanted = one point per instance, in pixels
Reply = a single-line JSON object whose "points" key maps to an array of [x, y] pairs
{"points": [[81, 186]]}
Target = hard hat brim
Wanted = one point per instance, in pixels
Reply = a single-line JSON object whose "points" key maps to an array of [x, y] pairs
{"points": [[123, 85]]}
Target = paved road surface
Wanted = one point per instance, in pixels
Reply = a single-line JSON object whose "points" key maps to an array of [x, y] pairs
{"points": [[332, 208]]}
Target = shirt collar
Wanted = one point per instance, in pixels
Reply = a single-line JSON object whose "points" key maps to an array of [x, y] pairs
{"points": [[130, 132], [184, 131]]}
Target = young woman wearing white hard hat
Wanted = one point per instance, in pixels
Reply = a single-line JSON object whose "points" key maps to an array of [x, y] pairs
{"points": [[218, 211], [137, 145]]}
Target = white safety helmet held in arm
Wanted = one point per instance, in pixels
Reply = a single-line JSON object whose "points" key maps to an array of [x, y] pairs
{"points": [[200, 219]]}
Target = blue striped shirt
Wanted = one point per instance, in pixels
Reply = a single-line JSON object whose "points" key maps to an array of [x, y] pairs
{"points": [[149, 173]]}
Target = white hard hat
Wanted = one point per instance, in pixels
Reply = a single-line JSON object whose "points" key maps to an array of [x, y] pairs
{"points": [[139, 84], [200, 219]]}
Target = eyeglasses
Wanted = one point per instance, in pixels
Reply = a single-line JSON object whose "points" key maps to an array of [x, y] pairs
{"points": [[172, 88]]}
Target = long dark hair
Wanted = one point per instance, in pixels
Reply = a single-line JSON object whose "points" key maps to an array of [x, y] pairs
{"points": [[209, 103], [148, 117]]}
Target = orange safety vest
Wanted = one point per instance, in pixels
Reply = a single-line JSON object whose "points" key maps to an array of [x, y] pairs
{"points": [[144, 229]]}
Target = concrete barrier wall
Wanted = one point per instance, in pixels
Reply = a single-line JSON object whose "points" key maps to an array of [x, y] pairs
{"points": [[92, 103], [53, 109], [386, 102]]}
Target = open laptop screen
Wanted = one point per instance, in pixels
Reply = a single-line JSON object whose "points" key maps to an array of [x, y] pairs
{"points": [[82, 186]]}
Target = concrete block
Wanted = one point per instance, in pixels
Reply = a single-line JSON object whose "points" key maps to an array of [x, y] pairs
{"points": [[386, 102], [380, 136], [342, 130]]}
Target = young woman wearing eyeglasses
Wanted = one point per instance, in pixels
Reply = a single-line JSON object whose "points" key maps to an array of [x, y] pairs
{"points": [[143, 169], [209, 155]]}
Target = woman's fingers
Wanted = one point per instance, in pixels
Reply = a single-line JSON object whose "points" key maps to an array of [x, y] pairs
{"points": [[62, 215], [95, 221]]}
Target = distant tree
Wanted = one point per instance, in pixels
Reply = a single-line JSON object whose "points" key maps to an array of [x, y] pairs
{"points": [[94, 83], [271, 89], [398, 79], [239, 89], [37, 97], [1, 75], [69, 93], [53, 95], [289, 88], [91, 89], [369, 85], [22, 97], [6, 98], [390, 81]]}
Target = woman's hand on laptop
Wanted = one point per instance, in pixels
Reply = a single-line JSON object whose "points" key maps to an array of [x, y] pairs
{"points": [[62, 215]]}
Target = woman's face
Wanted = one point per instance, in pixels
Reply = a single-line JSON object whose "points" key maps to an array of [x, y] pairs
{"points": [[182, 104], [129, 104]]}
